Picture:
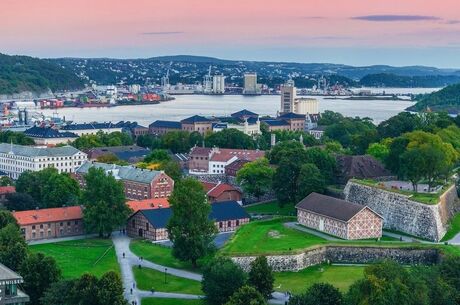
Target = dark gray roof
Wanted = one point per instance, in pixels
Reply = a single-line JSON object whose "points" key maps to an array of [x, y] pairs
{"points": [[195, 119], [166, 124], [6, 274], [130, 173], [220, 211], [244, 113], [330, 206], [292, 115], [362, 166], [125, 153], [48, 133], [31, 151], [96, 125], [276, 122]]}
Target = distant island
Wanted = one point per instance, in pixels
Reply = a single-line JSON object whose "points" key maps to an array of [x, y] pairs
{"points": [[24, 73], [447, 99]]}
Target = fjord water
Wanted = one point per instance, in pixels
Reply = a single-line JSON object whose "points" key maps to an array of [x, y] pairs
{"points": [[208, 105]]}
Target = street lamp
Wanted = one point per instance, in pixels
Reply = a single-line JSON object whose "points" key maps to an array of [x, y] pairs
{"points": [[166, 272]]}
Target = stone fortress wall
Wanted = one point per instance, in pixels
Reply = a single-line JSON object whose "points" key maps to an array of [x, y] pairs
{"points": [[343, 255], [402, 214]]}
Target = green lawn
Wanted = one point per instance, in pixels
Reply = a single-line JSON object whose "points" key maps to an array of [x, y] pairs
{"points": [[454, 228], [95, 256], [339, 276], [272, 208], [161, 301], [161, 255], [148, 278], [269, 236]]}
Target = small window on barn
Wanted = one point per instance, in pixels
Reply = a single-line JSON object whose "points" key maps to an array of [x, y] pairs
{"points": [[133, 223], [229, 223], [220, 224], [146, 226], [237, 222]]}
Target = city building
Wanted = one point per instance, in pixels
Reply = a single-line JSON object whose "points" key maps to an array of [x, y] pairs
{"points": [[134, 89], [49, 136], [50, 223], [131, 154], [275, 124], [16, 159], [222, 192], [296, 121], [160, 127], [4, 191], [146, 204], [151, 223], [317, 132], [339, 217], [139, 183], [306, 106], [249, 127], [311, 121], [10, 294], [82, 129], [232, 169], [288, 97], [251, 87], [197, 123], [213, 161], [218, 84]]}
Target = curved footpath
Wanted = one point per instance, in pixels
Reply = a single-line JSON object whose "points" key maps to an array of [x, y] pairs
{"points": [[121, 244]]}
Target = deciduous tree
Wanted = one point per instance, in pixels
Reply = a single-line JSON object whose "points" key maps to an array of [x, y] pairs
{"points": [[246, 295], [256, 177], [261, 276], [310, 180]]}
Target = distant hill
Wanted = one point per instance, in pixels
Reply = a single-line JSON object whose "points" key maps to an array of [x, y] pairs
{"points": [[191, 69], [24, 73], [401, 81], [447, 99]]}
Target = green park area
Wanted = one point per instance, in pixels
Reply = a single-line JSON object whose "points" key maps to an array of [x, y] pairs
{"points": [[95, 256], [271, 208], [339, 276], [160, 301], [148, 279], [269, 236], [454, 228]]}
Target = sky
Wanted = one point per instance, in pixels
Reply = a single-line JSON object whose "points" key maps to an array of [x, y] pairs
{"points": [[355, 32]]}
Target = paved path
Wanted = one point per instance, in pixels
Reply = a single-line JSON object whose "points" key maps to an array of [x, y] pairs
{"points": [[56, 240], [455, 240], [296, 226], [121, 243]]}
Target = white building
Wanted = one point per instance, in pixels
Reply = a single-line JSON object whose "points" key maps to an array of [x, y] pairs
{"points": [[250, 128], [82, 129], [134, 89], [218, 84], [16, 159], [288, 97], [306, 106]]}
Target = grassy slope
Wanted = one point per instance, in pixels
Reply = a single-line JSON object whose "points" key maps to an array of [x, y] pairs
{"points": [[160, 301], [148, 278], [80, 256], [269, 236], [339, 276], [454, 228], [160, 255]]}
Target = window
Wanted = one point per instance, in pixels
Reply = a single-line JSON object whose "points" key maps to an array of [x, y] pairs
{"points": [[33, 227], [133, 223], [41, 226], [146, 226], [76, 222], [220, 224], [237, 222], [229, 223], [68, 223], [61, 224]]}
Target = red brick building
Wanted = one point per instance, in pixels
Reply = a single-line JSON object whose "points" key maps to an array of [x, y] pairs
{"points": [[151, 223], [234, 167], [339, 217], [50, 223], [222, 192], [162, 127], [139, 183]]}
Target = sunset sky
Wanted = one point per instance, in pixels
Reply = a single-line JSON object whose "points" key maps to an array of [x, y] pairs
{"points": [[357, 32]]}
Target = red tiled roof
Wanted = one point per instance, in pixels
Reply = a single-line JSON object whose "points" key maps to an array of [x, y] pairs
{"points": [[7, 189], [221, 188], [148, 204], [208, 186], [225, 154], [48, 215]]}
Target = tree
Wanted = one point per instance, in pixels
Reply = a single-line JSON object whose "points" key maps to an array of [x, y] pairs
{"points": [[230, 138], [393, 160], [172, 169], [398, 125], [49, 188], [190, 228], [256, 177], [59, 293], [450, 271], [85, 290], [6, 181], [111, 158], [39, 272], [246, 295], [180, 141], [104, 203], [379, 151], [285, 181], [110, 290], [330, 117], [310, 180], [19, 202], [101, 139], [157, 156], [288, 150], [412, 166], [318, 293], [387, 283], [261, 276], [13, 248], [221, 279], [325, 162]]}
